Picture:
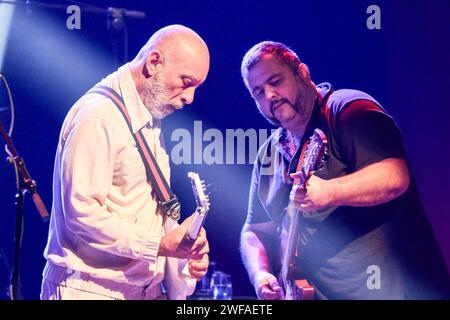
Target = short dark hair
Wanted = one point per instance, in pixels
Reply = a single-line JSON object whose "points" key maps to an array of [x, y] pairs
{"points": [[276, 49]]}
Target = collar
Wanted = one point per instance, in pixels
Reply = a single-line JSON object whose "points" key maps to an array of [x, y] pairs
{"points": [[139, 114], [283, 138]]}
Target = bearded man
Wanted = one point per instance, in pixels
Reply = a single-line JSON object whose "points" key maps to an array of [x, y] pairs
{"points": [[109, 238]]}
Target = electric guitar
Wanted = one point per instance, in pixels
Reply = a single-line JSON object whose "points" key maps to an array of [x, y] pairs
{"points": [[202, 200], [311, 158]]}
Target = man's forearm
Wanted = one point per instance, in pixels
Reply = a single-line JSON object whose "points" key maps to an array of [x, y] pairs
{"points": [[373, 185], [254, 254]]}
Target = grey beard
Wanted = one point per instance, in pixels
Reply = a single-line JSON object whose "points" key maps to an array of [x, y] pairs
{"points": [[156, 96]]}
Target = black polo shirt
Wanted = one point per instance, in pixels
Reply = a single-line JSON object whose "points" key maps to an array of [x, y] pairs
{"points": [[343, 248]]}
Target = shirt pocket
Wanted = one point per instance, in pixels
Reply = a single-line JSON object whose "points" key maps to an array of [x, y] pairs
{"points": [[131, 165], [133, 169]]}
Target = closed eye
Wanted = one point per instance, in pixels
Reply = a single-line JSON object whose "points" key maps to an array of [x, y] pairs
{"points": [[275, 82], [187, 82], [257, 92]]}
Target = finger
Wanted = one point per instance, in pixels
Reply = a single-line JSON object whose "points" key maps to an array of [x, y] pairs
{"points": [[301, 202], [198, 265], [197, 274], [202, 234], [199, 244], [295, 175], [199, 255], [300, 197], [274, 296], [201, 238], [307, 207], [274, 286], [199, 268], [302, 206], [268, 294], [205, 258], [203, 262], [201, 250]]}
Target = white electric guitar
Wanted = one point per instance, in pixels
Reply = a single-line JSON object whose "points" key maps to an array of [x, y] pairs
{"points": [[202, 200]]}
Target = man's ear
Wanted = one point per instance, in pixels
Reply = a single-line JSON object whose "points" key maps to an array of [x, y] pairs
{"points": [[303, 71], [154, 59]]}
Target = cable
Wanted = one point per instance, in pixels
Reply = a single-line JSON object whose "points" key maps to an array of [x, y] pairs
{"points": [[11, 125], [11, 128]]}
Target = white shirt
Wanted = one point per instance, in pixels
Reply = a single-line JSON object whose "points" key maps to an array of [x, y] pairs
{"points": [[105, 220]]}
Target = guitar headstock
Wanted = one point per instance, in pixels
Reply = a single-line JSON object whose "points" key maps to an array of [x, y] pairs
{"points": [[313, 155], [199, 189]]}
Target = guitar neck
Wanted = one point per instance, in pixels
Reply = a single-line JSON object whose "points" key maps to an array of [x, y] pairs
{"points": [[310, 159], [291, 246]]}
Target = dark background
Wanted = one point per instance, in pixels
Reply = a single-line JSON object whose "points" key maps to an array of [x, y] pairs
{"points": [[404, 65]]}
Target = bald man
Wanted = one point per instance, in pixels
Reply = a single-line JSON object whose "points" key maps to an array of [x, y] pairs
{"points": [[108, 237]]}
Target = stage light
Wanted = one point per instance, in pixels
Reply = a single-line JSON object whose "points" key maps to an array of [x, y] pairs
{"points": [[53, 63], [6, 14]]}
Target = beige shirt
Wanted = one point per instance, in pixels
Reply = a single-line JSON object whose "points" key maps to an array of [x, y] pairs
{"points": [[105, 220]]}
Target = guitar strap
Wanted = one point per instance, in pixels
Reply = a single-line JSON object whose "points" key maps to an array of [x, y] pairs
{"points": [[166, 198], [323, 109]]}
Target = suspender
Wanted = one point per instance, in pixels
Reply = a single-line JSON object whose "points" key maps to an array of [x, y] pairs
{"points": [[167, 199]]}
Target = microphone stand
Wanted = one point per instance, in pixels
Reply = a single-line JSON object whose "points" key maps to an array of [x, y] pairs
{"points": [[25, 183], [116, 25], [6, 267]]}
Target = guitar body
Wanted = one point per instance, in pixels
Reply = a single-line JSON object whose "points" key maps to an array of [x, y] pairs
{"points": [[294, 287], [299, 290]]}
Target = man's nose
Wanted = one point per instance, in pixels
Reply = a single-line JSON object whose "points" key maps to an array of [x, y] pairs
{"points": [[270, 93], [188, 96]]}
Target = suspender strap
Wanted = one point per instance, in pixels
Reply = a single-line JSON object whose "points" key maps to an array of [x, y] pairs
{"points": [[166, 197]]}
